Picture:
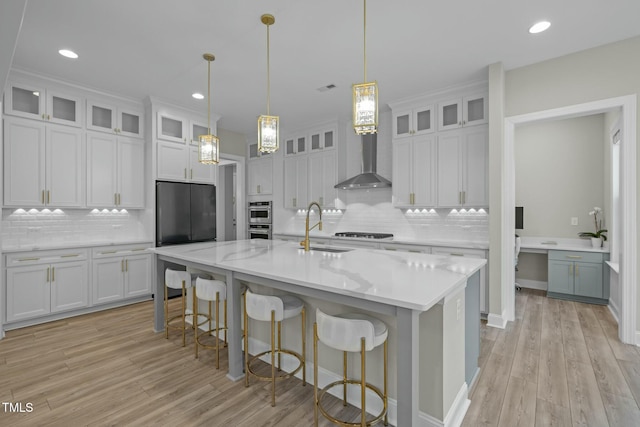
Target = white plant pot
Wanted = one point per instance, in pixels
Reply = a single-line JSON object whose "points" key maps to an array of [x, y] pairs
{"points": [[596, 242]]}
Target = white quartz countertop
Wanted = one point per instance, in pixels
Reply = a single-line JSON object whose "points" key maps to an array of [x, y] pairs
{"points": [[545, 244], [405, 279], [400, 240], [70, 245]]}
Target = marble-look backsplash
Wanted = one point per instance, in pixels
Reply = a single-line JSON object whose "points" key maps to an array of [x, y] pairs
{"points": [[22, 227], [372, 211]]}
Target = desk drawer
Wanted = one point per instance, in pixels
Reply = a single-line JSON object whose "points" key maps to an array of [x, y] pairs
{"points": [[576, 256]]}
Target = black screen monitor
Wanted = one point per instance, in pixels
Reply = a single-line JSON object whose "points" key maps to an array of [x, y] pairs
{"points": [[519, 217]]}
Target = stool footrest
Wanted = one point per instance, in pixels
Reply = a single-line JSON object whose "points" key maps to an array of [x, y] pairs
{"points": [[376, 390], [212, 335], [284, 374]]}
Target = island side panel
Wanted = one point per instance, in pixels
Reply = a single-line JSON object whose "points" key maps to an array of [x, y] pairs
{"points": [[472, 327], [407, 354], [234, 309], [158, 297], [454, 387]]}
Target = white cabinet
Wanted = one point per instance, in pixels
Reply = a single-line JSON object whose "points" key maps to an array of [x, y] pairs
{"points": [[120, 272], [172, 128], [295, 145], [179, 162], [36, 102], [295, 182], [42, 164], [323, 138], [39, 284], [260, 176], [413, 121], [462, 168], [466, 111], [470, 253], [414, 171], [197, 128], [115, 119], [115, 171], [321, 179]]}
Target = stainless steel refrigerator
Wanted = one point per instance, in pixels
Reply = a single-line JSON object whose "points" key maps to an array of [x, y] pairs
{"points": [[185, 213]]}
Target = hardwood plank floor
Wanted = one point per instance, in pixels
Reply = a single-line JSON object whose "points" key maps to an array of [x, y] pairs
{"points": [[560, 363]]}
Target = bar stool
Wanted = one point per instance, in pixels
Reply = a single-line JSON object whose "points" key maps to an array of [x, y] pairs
{"points": [[211, 291], [176, 279], [273, 309], [350, 332]]}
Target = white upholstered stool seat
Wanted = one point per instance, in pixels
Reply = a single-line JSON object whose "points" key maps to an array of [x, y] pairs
{"points": [[274, 309], [350, 332], [212, 291], [176, 279]]}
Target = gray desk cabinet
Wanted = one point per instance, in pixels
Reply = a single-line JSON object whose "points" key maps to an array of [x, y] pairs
{"points": [[578, 276]]}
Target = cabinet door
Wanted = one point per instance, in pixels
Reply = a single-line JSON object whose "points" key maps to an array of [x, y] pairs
{"points": [[450, 114], [588, 279], [64, 109], [401, 173], [130, 122], [423, 170], [172, 161], [24, 162], [475, 153], [101, 117], [295, 183], [137, 275], [321, 179], [130, 173], [196, 129], [560, 277], [423, 120], [260, 176], [475, 110], [102, 164], [171, 128], [449, 170], [28, 293], [64, 165], [402, 124], [25, 101], [199, 172], [108, 280], [69, 286]]}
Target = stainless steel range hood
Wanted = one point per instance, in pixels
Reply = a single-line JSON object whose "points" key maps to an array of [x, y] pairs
{"points": [[368, 178]]}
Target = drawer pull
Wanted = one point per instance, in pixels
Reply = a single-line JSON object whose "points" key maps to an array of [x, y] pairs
{"points": [[69, 256], [53, 274], [108, 252], [574, 256], [456, 254], [28, 259], [48, 274], [138, 249]]}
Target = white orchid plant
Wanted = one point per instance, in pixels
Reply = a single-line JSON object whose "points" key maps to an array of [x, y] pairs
{"points": [[600, 232]]}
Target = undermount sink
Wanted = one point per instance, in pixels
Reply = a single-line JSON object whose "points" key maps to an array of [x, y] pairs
{"points": [[333, 250]]}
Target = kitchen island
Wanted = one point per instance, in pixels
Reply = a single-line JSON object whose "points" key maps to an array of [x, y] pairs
{"points": [[423, 295]]}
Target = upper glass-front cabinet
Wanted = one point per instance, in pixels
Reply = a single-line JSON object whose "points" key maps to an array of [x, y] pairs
{"points": [[459, 112], [196, 129], [38, 103], [322, 139], [295, 145], [111, 119], [416, 121]]}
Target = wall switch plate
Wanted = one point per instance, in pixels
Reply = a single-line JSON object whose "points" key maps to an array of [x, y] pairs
{"points": [[574, 220]]}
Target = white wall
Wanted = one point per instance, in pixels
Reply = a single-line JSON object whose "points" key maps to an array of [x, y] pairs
{"points": [[560, 175]]}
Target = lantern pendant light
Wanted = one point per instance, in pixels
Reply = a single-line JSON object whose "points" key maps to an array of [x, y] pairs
{"points": [[209, 145], [268, 125], [365, 97]]}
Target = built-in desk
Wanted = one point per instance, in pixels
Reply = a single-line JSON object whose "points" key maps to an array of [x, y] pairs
{"points": [[575, 268]]}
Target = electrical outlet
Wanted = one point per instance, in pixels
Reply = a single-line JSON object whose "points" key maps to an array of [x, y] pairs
{"points": [[574, 220]]}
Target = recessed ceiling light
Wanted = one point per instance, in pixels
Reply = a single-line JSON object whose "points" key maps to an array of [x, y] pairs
{"points": [[198, 95], [539, 27], [68, 53]]}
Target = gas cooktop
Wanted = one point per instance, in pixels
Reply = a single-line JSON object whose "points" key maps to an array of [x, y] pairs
{"points": [[363, 235]]}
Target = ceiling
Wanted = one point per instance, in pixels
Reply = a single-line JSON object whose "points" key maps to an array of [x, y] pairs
{"points": [[154, 48]]}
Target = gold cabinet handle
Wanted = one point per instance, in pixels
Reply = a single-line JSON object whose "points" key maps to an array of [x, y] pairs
{"points": [[48, 271], [69, 256], [571, 269], [48, 117], [53, 274], [185, 173], [574, 256], [48, 196], [191, 173], [119, 199], [43, 197], [456, 254], [122, 265], [577, 272], [115, 199], [107, 252], [126, 265], [28, 259]]}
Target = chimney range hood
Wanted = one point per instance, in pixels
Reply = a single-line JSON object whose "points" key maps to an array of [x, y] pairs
{"points": [[368, 178]]}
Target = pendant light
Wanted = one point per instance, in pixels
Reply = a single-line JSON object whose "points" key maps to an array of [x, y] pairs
{"points": [[209, 145], [365, 97], [268, 126]]}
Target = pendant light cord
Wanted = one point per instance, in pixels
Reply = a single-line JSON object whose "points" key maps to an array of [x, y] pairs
{"points": [[209, 97], [365, 41], [268, 74]]}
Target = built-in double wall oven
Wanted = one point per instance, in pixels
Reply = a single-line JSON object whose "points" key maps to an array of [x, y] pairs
{"points": [[260, 221]]}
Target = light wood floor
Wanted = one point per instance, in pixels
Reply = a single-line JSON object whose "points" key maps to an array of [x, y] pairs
{"points": [[560, 363]]}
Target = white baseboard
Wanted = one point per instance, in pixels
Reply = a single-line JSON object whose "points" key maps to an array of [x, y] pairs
{"points": [[533, 284], [374, 405], [497, 320], [614, 310]]}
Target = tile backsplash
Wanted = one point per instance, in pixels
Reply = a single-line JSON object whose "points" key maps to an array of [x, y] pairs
{"points": [[22, 227], [372, 211]]}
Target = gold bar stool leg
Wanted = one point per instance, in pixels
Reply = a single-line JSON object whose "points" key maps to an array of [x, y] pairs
{"points": [[273, 356], [304, 347], [363, 387], [315, 374], [195, 319], [246, 343], [344, 378], [184, 325], [166, 312], [279, 344], [217, 328], [225, 322], [386, 397]]}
